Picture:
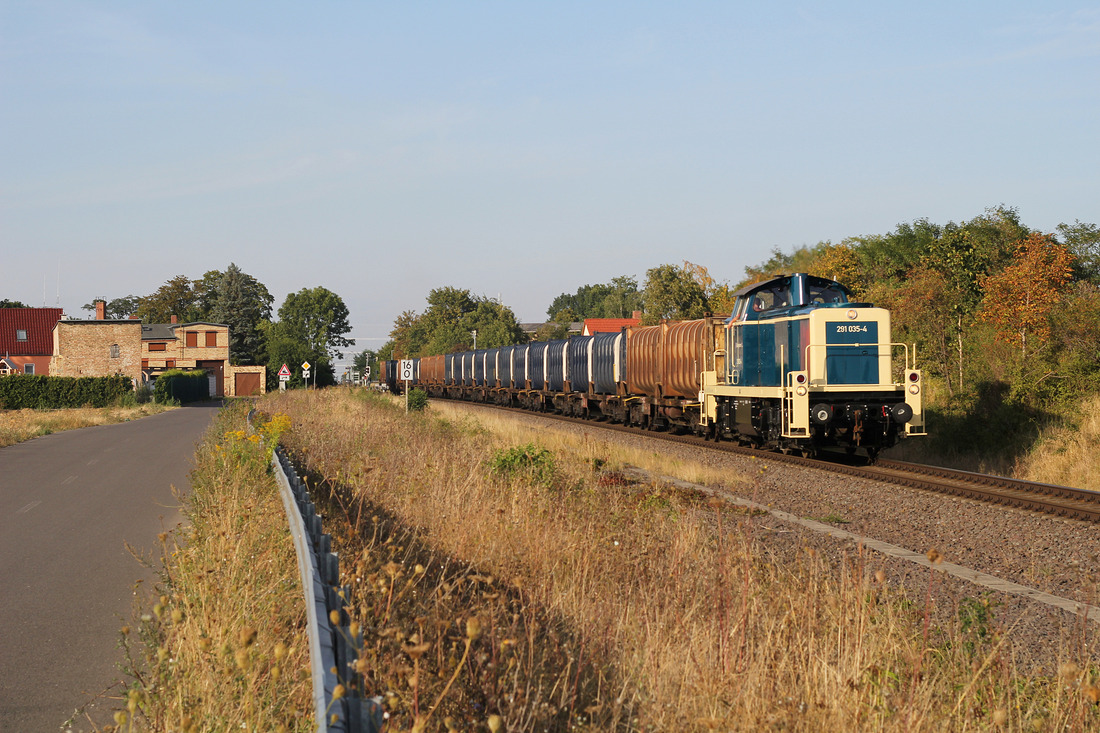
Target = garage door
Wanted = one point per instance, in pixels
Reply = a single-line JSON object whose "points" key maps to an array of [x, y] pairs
{"points": [[246, 384]]}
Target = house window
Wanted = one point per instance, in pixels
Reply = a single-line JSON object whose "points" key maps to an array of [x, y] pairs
{"points": [[192, 339], [28, 368], [20, 334], [169, 363], [211, 339], [157, 347], [114, 351]]}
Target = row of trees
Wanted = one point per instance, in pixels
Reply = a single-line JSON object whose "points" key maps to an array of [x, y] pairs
{"points": [[993, 306], [456, 320], [312, 323]]}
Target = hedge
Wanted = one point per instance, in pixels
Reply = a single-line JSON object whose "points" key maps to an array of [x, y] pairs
{"points": [[21, 391], [177, 384]]}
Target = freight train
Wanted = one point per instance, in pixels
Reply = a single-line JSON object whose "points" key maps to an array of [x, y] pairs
{"points": [[797, 366]]}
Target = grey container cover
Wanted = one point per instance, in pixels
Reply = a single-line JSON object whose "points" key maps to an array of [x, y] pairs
{"points": [[536, 362], [555, 365], [504, 366], [577, 362], [491, 367], [606, 353]]}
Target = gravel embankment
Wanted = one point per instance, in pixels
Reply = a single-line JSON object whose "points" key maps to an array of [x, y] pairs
{"points": [[1049, 554]]}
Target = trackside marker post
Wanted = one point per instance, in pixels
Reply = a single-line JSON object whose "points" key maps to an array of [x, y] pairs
{"points": [[406, 376]]}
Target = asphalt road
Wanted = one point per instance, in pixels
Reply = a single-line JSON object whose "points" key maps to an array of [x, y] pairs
{"points": [[68, 504]]}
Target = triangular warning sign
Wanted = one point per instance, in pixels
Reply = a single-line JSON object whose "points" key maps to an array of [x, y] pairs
{"points": [[285, 371]]}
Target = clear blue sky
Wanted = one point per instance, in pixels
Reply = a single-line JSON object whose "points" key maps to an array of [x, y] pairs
{"points": [[518, 149]]}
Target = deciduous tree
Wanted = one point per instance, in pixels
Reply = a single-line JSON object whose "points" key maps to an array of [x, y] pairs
{"points": [[317, 317], [1019, 300]]}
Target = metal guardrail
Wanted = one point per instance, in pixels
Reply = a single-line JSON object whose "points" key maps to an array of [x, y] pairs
{"points": [[332, 651]]}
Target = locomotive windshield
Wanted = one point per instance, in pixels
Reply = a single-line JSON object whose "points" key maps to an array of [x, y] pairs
{"points": [[794, 291]]}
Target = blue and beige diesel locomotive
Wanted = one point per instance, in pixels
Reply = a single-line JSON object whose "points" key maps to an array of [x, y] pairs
{"points": [[796, 366]]}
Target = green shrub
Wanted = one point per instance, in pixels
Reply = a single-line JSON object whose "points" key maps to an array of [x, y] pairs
{"points": [[529, 461], [418, 400], [40, 392], [176, 385]]}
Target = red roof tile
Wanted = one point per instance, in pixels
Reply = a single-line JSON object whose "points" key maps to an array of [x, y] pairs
{"points": [[607, 325], [38, 324]]}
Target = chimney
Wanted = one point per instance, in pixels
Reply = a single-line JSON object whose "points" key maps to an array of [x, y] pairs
{"points": [[173, 319], [101, 310], [636, 315]]}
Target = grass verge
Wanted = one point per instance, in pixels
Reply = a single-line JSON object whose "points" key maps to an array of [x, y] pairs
{"points": [[527, 583], [19, 425], [223, 645]]}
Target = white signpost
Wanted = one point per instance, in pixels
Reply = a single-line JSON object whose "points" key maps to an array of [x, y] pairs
{"points": [[305, 373], [406, 373]]}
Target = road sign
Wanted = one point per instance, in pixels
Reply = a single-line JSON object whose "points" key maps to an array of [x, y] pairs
{"points": [[305, 366], [305, 374], [406, 370], [285, 371]]}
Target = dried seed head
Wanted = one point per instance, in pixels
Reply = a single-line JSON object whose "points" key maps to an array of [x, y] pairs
{"points": [[244, 662], [934, 556], [473, 628], [880, 577], [1000, 717], [338, 692], [177, 615], [417, 650], [247, 636], [280, 652], [334, 617], [495, 723]]}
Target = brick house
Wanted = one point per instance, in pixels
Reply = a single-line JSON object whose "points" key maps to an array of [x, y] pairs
{"points": [[196, 345], [99, 348], [142, 351], [26, 340]]}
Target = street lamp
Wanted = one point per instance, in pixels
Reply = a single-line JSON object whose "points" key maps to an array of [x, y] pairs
{"points": [[474, 333]]}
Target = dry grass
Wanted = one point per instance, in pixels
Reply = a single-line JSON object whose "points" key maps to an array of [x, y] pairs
{"points": [[607, 605], [1068, 456], [223, 646], [19, 425]]}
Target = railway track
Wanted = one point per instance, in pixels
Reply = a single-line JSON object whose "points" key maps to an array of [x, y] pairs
{"points": [[1076, 504]]}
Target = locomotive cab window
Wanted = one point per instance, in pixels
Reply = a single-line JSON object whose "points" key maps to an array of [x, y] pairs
{"points": [[819, 291]]}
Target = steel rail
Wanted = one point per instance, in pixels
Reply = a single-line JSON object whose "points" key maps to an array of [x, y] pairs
{"points": [[1064, 501]]}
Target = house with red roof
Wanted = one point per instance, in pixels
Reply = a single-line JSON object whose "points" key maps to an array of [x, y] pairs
{"points": [[26, 339], [608, 325]]}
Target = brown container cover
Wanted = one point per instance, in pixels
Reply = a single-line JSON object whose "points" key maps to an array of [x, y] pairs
{"points": [[684, 357], [643, 360], [431, 370]]}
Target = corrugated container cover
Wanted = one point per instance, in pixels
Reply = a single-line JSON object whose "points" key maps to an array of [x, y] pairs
{"points": [[606, 348], [452, 369], [468, 368], [643, 360], [579, 349], [504, 366], [555, 365], [431, 370], [519, 366], [479, 368], [536, 364], [491, 367], [684, 358]]}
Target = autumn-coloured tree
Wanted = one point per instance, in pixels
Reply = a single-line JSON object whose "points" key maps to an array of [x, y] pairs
{"points": [[1019, 300], [839, 262]]}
